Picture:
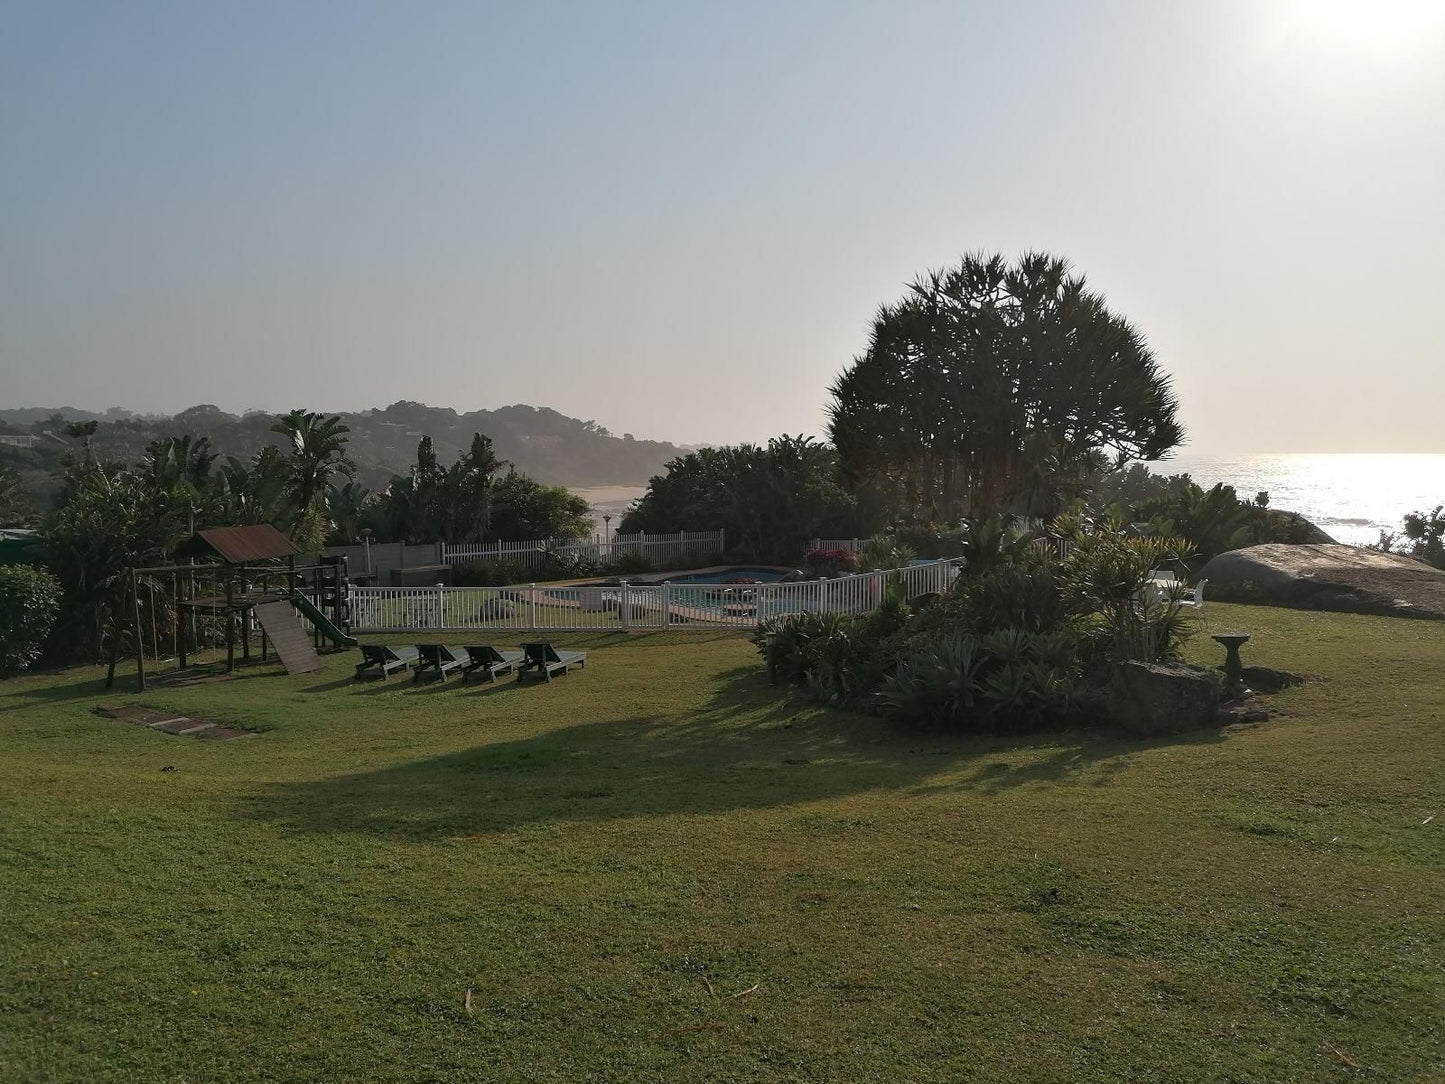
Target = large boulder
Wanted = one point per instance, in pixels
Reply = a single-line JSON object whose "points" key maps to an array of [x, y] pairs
{"points": [[1299, 530], [495, 609], [1347, 579], [1151, 699]]}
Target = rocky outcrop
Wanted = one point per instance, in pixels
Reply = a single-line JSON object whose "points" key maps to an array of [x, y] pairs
{"points": [[1300, 530], [1340, 578], [1152, 699]]}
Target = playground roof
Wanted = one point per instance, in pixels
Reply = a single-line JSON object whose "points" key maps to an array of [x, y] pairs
{"points": [[237, 545]]}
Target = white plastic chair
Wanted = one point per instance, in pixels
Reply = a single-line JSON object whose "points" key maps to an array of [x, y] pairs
{"points": [[1195, 600]]}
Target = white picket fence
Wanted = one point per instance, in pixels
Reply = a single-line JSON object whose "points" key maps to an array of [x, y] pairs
{"points": [[624, 607], [655, 547], [847, 545]]}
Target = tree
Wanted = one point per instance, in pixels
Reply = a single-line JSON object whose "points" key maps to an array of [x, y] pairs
{"points": [[351, 506], [986, 376], [29, 600], [254, 493], [453, 504], [14, 509], [768, 500], [318, 454], [111, 521], [524, 508], [180, 466]]}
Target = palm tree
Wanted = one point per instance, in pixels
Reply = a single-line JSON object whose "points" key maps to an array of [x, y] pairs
{"points": [[318, 454], [254, 494], [179, 464], [349, 505]]}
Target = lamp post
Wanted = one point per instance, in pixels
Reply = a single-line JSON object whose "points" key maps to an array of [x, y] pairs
{"points": [[606, 526]]}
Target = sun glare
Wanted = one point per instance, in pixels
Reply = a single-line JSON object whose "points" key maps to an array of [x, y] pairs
{"points": [[1377, 25]]}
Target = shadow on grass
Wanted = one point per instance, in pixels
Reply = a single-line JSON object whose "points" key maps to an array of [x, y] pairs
{"points": [[29, 694], [750, 747]]}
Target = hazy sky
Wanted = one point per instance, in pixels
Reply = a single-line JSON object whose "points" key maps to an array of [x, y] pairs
{"points": [[678, 218]]}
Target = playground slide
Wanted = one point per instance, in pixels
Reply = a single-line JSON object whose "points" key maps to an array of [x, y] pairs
{"points": [[321, 621]]}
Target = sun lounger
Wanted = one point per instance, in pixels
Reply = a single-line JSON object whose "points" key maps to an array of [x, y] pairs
{"points": [[439, 658], [487, 661], [381, 660], [547, 660]]}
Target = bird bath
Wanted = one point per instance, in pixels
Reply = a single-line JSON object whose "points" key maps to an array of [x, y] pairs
{"points": [[1233, 667]]}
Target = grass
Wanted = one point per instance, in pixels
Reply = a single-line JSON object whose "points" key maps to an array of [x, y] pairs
{"points": [[660, 869]]}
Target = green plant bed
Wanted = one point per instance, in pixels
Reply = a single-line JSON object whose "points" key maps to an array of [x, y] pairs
{"points": [[662, 868]]}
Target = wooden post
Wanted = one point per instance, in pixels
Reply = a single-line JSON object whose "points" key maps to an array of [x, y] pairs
{"points": [[184, 615], [140, 653], [115, 631], [230, 623]]}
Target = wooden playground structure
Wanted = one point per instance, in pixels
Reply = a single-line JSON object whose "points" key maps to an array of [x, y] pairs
{"points": [[236, 583]]}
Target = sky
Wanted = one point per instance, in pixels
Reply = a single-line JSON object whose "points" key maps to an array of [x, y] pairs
{"points": [[678, 220]]}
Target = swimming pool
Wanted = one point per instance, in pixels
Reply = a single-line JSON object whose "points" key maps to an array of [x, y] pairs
{"points": [[723, 575]]}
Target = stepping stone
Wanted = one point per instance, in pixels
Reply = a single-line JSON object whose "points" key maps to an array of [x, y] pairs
{"points": [[168, 723]]}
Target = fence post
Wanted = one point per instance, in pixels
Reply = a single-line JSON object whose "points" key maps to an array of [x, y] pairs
{"points": [[441, 603], [532, 594], [822, 593], [667, 603], [624, 607]]}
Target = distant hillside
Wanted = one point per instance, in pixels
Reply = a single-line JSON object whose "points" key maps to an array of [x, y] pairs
{"points": [[539, 441]]}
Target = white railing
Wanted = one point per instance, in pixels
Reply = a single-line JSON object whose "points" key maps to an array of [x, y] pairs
{"points": [[624, 607], [656, 547], [847, 545]]}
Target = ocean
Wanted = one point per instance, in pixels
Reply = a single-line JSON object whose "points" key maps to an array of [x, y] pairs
{"points": [[1352, 497]]}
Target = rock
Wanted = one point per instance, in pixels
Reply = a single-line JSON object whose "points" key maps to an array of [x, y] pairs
{"points": [[494, 609], [1301, 531], [1150, 699], [1243, 711], [1346, 579], [795, 576], [1266, 679]]}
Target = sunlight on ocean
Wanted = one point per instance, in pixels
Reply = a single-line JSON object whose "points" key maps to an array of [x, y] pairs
{"points": [[1353, 497]]}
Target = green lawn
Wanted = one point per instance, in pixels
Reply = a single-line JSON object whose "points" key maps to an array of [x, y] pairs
{"points": [[659, 869]]}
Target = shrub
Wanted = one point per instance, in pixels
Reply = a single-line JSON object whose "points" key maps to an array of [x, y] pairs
{"points": [[495, 573], [29, 603], [1012, 679], [631, 564], [1012, 597], [821, 563], [1108, 572], [885, 551], [930, 542], [783, 642]]}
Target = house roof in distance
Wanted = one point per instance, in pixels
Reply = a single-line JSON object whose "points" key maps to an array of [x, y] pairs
{"points": [[237, 545]]}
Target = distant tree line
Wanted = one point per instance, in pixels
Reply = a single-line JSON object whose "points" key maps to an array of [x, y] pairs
{"points": [[110, 515], [542, 443]]}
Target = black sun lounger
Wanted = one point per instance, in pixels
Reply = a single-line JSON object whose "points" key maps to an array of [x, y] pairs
{"points": [[547, 660]]}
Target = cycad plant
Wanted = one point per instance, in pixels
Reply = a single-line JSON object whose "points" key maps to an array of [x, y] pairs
{"points": [[1109, 570]]}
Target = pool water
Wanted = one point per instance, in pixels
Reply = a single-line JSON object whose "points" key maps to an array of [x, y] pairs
{"points": [[765, 575]]}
